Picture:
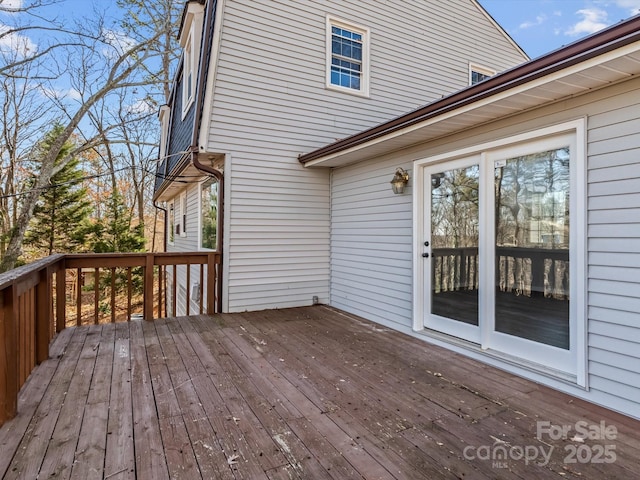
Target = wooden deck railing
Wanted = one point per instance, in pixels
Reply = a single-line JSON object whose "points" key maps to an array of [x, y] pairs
{"points": [[40, 299], [526, 271]]}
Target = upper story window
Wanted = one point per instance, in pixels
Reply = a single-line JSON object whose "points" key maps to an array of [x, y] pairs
{"points": [[164, 114], [188, 73], [347, 57], [479, 74], [190, 39]]}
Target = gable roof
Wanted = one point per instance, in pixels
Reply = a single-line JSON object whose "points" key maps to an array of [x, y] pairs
{"points": [[599, 60], [499, 27]]}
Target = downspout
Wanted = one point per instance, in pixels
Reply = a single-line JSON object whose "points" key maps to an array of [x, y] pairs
{"points": [[197, 118], [164, 230]]}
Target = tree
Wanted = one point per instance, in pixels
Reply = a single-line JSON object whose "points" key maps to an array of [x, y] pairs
{"points": [[21, 116], [62, 208], [115, 233], [96, 61]]}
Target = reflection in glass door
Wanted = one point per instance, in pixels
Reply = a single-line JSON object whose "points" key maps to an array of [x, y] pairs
{"points": [[454, 235], [532, 247]]}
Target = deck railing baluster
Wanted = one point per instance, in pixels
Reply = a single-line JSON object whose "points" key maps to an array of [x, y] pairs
{"points": [[96, 296], [129, 292], [33, 303], [78, 297]]}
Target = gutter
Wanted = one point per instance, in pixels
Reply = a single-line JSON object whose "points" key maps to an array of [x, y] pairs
{"points": [[164, 235], [600, 43]]}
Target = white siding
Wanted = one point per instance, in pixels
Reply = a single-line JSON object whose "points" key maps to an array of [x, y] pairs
{"points": [[371, 235], [371, 230], [614, 251], [190, 241], [270, 105]]}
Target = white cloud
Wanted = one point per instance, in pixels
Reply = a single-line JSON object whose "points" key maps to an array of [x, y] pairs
{"points": [[593, 19], [540, 19], [60, 94], [119, 41], [632, 5], [12, 43], [141, 107], [9, 5]]}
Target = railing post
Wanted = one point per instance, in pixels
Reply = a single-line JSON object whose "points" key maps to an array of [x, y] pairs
{"points": [[148, 287], [212, 280], [43, 315], [61, 297], [9, 355]]}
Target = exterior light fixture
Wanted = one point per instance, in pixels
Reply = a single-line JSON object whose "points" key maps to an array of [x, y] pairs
{"points": [[400, 180]]}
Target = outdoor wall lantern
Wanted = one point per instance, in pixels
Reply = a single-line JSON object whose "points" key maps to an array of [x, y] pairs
{"points": [[400, 180]]}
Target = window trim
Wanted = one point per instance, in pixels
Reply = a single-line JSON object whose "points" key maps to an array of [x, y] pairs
{"points": [[188, 75], [190, 40], [332, 21], [164, 116], [171, 223], [481, 70], [183, 214], [201, 187]]}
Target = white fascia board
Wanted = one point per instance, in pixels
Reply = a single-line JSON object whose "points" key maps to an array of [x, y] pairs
{"points": [[203, 138], [194, 12]]}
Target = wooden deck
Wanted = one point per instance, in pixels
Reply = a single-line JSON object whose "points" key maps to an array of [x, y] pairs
{"points": [[308, 393]]}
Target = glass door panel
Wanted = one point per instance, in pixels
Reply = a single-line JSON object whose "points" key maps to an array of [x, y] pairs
{"points": [[532, 247], [454, 235]]}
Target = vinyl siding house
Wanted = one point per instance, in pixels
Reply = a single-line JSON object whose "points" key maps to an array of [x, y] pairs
{"points": [[259, 84], [516, 239]]}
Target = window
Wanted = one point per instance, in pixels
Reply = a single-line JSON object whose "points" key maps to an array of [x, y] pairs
{"points": [[183, 213], [172, 224], [209, 215], [164, 115], [347, 57], [188, 73], [190, 38], [479, 74]]}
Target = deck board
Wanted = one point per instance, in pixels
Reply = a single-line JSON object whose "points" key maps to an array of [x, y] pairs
{"points": [[307, 393]]}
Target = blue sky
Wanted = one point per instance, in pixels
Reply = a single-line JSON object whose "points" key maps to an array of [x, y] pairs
{"points": [[540, 26]]}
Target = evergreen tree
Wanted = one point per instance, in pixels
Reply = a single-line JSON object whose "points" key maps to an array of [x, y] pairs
{"points": [[115, 232], [62, 208]]}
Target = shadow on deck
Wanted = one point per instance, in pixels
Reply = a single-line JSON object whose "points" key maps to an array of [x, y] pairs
{"points": [[308, 393]]}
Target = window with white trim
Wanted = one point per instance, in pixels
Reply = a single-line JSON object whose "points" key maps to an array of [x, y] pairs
{"points": [[190, 38], [164, 115], [188, 74], [347, 57], [479, 74]]}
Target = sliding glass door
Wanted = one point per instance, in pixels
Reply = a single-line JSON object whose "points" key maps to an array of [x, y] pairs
{"points": [[497, 250]]}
